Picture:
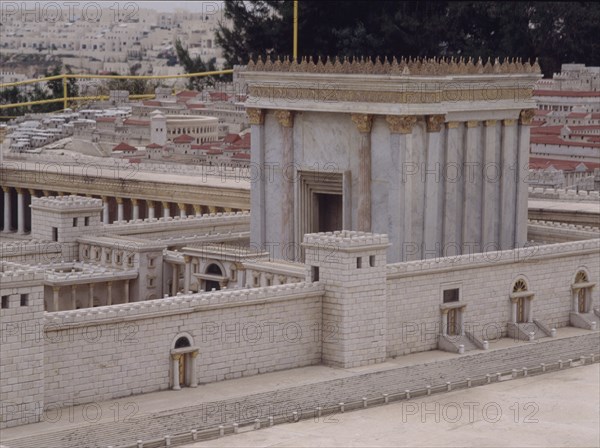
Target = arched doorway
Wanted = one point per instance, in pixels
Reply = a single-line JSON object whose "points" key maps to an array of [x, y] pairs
{"points": [[183, 367], [519, 287], [581, 278], [213, 269]]}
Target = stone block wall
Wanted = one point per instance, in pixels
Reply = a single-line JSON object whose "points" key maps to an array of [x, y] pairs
{"points": [[485, 280], [21, 339], [115, 351]]}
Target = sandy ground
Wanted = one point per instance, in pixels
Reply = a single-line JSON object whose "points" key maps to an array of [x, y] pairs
{"points": [[554, 410]]}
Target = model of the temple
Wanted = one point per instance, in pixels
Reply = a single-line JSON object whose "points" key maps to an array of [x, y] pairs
{"points": [[388, 217]]}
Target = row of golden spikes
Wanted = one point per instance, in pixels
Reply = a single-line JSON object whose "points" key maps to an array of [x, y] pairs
{"points": [[404, 66]]}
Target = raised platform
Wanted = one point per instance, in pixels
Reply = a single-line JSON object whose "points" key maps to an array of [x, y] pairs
{"points": [[150, 417]]}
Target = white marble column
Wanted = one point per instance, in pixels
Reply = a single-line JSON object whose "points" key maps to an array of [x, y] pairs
{"points": [[192, 359], [187, 275], [175, 280], [55, 291], [513, 311], [175, 369], [256, 119], [120, 213], [7, 209], [491, 184], [136, 209], [452, 173], [150, 205], [91, 297], [126, 291], [472, 177], [413, 190], [166, 209], [364, 123], [105, 210], [432, 230], [108, 293], [73, 297], [182, 212], [508, 187], [20, 211], [286, 121], [523, 171]]}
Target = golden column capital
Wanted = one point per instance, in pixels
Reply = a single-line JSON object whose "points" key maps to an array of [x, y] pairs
{"points": [[197, 208], [181, 206], [150, 203], [434, 123], [509, 122], [526, 116], [490, 123], [285, 118], [166, 205], [363, 122], [472, 123], [19, 190], [187, 258], [255, 116], [176, 356], [134, 201], [453, 124], [194, 354], [119, 200], [6, 188], [401, 124]]}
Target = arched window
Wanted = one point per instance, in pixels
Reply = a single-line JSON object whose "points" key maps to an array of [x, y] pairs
{"points": [[182, 342]]}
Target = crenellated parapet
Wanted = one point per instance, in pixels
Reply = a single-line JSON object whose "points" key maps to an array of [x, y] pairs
{"points": [[404, 66]]}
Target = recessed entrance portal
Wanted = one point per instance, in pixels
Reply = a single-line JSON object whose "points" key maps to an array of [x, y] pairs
{"points": [[328, 212]]}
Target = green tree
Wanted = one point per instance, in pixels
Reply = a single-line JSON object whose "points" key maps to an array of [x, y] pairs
{"points": [[196, 65], [554, 32]]}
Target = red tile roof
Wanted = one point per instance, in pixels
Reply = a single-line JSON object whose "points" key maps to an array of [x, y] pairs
{"points": [[134, 122], [183, 139], [547, 130], [231, 138], [577, 115], [214, 152], [195, 106], [153, 145], [555, 140], [218, 96], [124, 147], [152, 103], [187, 93]]}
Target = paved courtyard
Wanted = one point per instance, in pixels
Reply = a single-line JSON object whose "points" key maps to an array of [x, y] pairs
{"points": [[552, 410]]}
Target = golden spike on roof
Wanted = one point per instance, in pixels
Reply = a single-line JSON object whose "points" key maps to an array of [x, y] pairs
{"points": [[423, 66]]}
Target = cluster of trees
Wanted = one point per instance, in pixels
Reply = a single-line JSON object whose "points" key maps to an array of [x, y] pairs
{"points": [[554, 32], [49, 90]]}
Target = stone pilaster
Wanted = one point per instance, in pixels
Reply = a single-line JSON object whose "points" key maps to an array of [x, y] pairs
{"points": [[256, 119], [452, 172], [120, 213], [508, 186], [20, 211], [472, 177], [491, 187], [7, 208], [286, 121], [363, 123], [401, 127], [135, 209], [434, 187], [525, 119]]}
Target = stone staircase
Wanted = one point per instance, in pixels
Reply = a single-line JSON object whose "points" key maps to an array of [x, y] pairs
{"points": [[452, 343], [587, 321], [522, 331]]}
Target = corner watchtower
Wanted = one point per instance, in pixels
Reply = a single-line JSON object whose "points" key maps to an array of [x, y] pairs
{"points": [[352, 266]]}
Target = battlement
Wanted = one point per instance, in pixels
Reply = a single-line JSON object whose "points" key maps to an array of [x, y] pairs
{"points": [[243, 216], [561, 193], [410, 66], [346, 239], [11, 273], [563, 225], [67, 203], [185, 303], [526, 255]]}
